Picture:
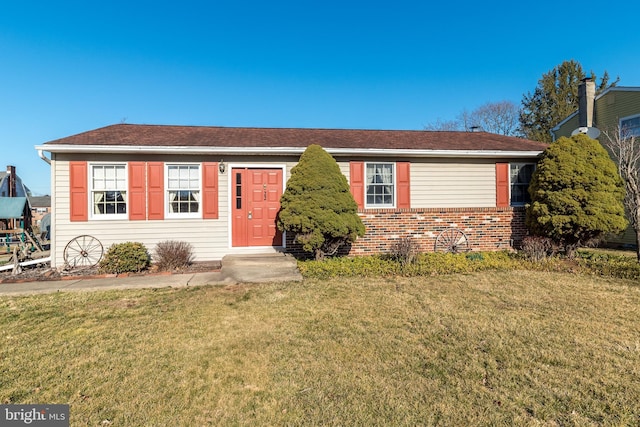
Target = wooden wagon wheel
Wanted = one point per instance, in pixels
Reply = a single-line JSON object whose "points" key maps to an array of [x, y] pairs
{"points": [[452, 240], [83, 252]]}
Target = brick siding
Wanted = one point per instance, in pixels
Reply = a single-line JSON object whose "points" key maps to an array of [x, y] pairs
{"points": [[487, 229]]}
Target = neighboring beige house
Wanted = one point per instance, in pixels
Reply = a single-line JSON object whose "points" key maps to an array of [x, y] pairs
{"points": [[40, 206], [615, 108], [219, 188]]}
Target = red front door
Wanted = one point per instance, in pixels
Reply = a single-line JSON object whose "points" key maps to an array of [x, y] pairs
{"points": [[255, 199]]}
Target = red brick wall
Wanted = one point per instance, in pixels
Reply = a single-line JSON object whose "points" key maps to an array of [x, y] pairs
{"points": [[488, 229]]}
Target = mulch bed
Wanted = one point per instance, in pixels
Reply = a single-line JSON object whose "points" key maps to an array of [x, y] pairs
{"points": [[43, 272]]}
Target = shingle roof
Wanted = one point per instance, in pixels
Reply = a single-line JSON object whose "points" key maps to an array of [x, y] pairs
{"points": [[12, 207], [210, 136], [40, 201]]}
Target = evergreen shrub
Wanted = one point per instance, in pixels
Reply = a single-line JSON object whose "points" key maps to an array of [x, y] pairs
{"points": [[127, 257], [576, 194], [317, 205]]}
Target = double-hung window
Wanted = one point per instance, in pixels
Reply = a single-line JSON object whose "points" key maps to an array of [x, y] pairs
{"points": [[630, 126], [520, 178], [380, 185], [183, 190], [109, 190]]}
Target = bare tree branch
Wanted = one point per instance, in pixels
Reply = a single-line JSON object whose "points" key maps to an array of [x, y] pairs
{"points": [[494, 117], [625, 149]]}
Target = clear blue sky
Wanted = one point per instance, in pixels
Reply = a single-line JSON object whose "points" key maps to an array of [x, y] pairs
{"points": [[72, 66]]}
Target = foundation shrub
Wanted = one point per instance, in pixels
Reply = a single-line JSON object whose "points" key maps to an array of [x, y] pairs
{"points": [[618, 266], [405, 250], [448, 263], [423, 265], [173, 255], [366, 266], [127, 257], [433, 264], [537, 248]]}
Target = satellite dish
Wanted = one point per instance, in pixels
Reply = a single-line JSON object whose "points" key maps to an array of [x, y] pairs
{"points": [[591, 132]]}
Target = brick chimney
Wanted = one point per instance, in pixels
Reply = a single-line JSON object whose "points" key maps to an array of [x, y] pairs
{"points": [[11, 172], [586, 101]]}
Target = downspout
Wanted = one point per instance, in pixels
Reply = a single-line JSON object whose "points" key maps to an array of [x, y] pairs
{"points": [[52, 235], [43, 157]]}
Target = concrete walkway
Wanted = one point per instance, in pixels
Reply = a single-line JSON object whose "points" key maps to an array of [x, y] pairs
{"points": [[274, 267]]}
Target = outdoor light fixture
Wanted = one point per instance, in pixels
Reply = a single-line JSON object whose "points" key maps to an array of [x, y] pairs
{"points": [[222, 167]]}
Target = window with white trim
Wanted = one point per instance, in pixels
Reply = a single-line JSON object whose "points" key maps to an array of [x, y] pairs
{"points": [[183, 190], [108, 190], [520, 177], [379, 185], [630, 126]]}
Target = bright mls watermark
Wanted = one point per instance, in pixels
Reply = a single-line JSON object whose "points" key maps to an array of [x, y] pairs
{"points": [[34, 415]]}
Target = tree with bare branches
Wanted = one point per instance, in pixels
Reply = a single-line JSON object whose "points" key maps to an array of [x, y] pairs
{"points": [[625, 148], [493, 117]]}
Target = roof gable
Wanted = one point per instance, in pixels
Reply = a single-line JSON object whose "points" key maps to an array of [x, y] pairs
{"points": [[608, 91]]}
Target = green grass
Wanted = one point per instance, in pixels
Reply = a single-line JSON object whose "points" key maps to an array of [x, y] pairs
{"points": [[488, 348]]}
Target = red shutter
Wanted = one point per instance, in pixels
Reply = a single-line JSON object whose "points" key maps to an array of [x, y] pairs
{"points": [[403, 184], [137, 184], [356, 182], [210, 190], [78, 191], [502, 185], [155, 190]]}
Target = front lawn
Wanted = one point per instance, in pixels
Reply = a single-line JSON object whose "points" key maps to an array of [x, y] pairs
{"points": [[484, 348]]}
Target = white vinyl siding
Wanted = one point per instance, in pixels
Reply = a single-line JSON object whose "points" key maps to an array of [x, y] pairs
{"points": [[452, 185], [208, 237], [440, 184]]}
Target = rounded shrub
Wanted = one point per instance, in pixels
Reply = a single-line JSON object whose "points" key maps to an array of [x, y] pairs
{"points": [[576, 194], [127, 257], [317, 205]]}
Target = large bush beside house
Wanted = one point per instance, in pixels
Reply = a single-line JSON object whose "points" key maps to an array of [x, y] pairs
{"points": [[317, 205], [576, 194]]}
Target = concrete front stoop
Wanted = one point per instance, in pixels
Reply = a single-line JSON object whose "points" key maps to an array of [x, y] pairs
{"points": [[261, 268]]}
